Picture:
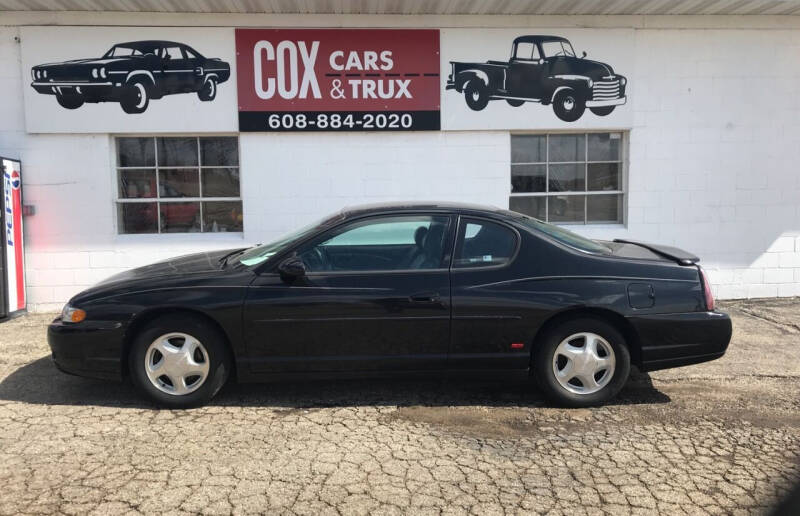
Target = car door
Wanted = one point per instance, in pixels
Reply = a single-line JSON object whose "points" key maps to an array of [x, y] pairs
{"points": [[375, 297], [177, 70], [486, 327], [525, 71]]}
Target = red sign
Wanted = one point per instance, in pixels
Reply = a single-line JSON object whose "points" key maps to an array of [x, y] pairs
{"points": [[337, 79]]}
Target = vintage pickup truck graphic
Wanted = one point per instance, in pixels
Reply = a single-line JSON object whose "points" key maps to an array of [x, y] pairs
{"points": [[541, 69], [132, 74]]}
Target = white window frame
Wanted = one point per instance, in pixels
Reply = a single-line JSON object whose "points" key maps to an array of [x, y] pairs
{"points": [[158, 199], [623, 190]]}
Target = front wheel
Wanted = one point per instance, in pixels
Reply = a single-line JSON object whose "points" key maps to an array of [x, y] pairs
{"points": [[515, 102], [209, 90], [70, 100], [602, 111], [582, 362], [135, 98], [476, 94], [568, 105], [179, 361]]}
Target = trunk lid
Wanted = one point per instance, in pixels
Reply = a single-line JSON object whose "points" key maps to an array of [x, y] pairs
{"points": [[643, 250]]}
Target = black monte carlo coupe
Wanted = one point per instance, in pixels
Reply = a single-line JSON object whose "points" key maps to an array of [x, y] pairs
{"points": [[397, 290]]}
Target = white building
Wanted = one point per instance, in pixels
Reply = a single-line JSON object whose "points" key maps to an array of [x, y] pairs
{"points": [[704, 154]]}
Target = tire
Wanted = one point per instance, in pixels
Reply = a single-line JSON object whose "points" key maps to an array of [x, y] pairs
{"points": [[568, 105], [208, 91], [70, 100], [191, 376], [602, 111], [570, 338], [136, 97], [515, 102], [476, 94]]}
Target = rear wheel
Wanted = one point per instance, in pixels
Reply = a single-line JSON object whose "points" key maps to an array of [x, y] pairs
{"points": [[581, 362], [476, 94], [179, 361], [209, 90], [69, 100]]}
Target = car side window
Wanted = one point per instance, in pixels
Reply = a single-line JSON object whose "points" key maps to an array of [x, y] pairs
{"points": [[172, 53], [483, 244], [189, 54], [527, 51], [406, 242]]}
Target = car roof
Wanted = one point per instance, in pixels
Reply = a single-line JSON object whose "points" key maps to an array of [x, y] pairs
{"points": [[149, 43], [415, 206], [535, 39]]}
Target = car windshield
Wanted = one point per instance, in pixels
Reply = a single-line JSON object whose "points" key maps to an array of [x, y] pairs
{"points": [[565, 236], [557, 48], [263, 252], [124, 51]]}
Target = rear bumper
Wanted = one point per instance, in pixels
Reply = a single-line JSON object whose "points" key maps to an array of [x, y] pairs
{"points": [[91, 348], [675, 340]]}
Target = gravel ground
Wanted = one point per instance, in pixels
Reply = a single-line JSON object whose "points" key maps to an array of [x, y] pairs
{"points": [[719, 438]]}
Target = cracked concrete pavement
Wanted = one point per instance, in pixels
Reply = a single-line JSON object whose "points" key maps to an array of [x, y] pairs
{"points": [[716, 438]]}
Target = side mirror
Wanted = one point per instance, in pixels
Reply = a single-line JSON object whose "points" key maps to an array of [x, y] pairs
{"points": [[292, 268], [584, 54]]}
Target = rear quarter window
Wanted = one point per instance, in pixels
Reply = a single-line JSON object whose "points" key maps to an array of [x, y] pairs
{"points": [[482, 243]]}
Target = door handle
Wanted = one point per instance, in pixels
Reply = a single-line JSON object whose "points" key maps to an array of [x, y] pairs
{"points": [[425, 297]]}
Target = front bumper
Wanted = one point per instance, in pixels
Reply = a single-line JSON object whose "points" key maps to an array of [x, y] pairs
{"points": [[87, 89], [90, 348], [609, 102], [675, 340]]}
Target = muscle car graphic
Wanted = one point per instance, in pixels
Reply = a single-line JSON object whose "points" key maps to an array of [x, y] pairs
{"points": [[541, 69], [132, 74]]}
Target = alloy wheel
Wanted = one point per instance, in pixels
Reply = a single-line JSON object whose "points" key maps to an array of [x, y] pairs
{"points": [[584, 363], [176, 363]]}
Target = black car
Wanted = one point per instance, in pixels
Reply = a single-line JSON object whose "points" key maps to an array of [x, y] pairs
{"points": [[399, 289], [541, 69], [132, 74]]}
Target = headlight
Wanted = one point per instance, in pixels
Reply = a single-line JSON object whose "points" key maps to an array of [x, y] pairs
{"points": [[38, 74], [33, 74], [103, 72], [590, 82], [70, 314], [94, 73], [44, 74], [623, 80]]}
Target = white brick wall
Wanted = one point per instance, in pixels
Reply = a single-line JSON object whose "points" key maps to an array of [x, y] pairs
{"points": [[713, 164]]}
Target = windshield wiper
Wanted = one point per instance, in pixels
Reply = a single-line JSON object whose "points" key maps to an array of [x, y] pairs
{"points": [[224, 259]]}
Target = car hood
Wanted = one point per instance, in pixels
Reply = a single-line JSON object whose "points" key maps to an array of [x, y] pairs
{"points": [[178, 266], [595, 70], [93, 61]]}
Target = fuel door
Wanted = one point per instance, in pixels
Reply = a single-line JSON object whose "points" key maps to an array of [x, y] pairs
{"points": [[641, 295]]}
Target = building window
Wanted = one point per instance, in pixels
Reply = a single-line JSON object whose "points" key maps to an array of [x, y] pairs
{"points": [[178, 185], [568, 178]]}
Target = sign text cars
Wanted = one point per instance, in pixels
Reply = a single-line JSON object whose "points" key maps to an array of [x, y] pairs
{"points": [[338, 79]]}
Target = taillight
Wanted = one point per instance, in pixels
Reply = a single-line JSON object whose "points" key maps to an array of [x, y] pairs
{"points": [[706, 289]]}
